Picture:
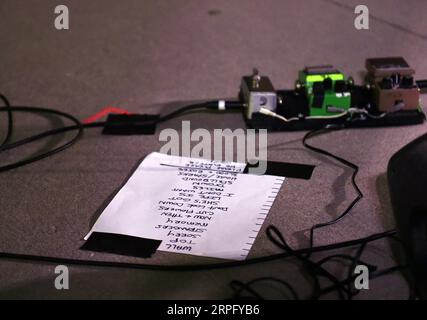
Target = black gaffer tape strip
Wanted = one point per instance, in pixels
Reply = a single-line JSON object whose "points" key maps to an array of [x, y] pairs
{"points": [[285, 169], [121, 244], [133, 124]]}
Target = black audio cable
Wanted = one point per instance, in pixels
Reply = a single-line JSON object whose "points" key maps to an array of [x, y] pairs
{"points": [[344, 288], [240, 287], [8, 109], [349, 164], [217, 105], [199, 267], [220, 105], [78, 126], [315, 269]]}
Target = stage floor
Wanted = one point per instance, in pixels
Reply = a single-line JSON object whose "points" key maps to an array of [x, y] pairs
{"points": [[154, 56]]}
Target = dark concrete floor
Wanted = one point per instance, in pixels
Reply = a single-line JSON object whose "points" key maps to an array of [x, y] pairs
{"points": [[149, 56]]}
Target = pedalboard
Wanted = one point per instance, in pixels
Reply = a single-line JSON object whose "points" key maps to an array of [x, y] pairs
{"points": [[324, 96]]}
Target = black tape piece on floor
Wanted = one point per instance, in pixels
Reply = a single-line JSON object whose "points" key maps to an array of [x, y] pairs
{"points": [[285, 169], [134, 124], [121, 244]]}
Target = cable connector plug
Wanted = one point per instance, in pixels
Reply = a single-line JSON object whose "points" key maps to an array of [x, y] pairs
{"points": [[273, 114], [268, 112], [223, 105]]}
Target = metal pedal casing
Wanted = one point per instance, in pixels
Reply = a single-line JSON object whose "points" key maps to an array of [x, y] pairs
{"points": [[258, 92]]}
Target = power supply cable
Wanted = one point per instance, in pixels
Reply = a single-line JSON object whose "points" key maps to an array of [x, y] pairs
{"points": [[350, 113], [347, 163]]}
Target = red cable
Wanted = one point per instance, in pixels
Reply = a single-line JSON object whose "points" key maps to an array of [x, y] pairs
{"points": [[104, 112]]}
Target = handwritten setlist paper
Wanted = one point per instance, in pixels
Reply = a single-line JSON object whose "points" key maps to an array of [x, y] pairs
{"points": [[194, 206]]}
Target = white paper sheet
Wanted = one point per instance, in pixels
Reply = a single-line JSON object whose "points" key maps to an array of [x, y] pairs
{"points": [[193, 206]]}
